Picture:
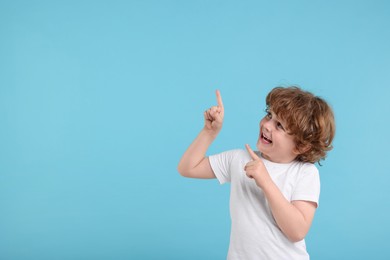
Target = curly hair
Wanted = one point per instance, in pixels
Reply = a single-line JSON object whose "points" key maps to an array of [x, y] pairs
{"points": [[308, 118]]}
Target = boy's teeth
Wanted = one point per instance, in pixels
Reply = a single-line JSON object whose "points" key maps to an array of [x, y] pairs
{"points": [[267, 139]]}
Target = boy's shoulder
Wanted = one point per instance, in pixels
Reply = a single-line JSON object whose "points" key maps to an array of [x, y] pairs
{"points": [[239, 153], [306, 168], [235, 154]]}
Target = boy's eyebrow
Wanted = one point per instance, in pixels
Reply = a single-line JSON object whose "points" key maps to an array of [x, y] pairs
{"points": [[274, 115]]}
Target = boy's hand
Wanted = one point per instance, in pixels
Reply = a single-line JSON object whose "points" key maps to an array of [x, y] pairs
{"points": [[256, 169], [214, 116]]}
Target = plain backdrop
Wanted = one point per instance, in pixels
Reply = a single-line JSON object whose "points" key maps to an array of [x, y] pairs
{"points": [[99, 99]]}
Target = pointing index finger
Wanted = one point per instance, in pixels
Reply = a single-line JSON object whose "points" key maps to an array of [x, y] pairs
{"points": [[219, 99], [252, 153]]}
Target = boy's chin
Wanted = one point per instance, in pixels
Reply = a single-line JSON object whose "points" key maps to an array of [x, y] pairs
{"points": [[262, 151], [258, 147]]}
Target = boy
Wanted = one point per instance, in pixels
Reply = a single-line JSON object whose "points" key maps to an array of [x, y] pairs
{"points": [[275, 190]]}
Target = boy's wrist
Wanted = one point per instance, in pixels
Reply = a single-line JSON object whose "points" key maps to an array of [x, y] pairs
{"points": [[211, 133], [267, 185]]}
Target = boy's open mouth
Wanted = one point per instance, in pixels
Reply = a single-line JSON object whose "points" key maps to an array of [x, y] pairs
{"points": [[267, 140]]}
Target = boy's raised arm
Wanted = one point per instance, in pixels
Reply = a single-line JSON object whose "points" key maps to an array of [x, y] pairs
{"points": [[194, 163]]}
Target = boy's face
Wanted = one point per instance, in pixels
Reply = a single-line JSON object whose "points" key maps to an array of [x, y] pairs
{"points": [[274, 142]]}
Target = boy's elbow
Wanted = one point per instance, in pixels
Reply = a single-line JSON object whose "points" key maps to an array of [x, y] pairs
{"points": [[296, 237], [186, 172], [182, 171]]}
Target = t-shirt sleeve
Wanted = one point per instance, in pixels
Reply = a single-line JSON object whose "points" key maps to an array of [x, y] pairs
{"points": [[220, 164], [308, 186]]}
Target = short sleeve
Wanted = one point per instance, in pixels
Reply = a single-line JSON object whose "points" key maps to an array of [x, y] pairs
{"points": [[308, 185], [221, 164]]}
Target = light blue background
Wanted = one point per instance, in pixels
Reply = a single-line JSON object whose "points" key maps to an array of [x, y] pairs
{"points": [[99, 99]]}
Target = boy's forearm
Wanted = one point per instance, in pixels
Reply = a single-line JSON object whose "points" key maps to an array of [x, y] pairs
{"points": [[196, 152], [289, 219]]}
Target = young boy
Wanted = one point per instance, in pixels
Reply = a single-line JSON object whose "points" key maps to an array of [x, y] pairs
{"points": [[275, 190]]}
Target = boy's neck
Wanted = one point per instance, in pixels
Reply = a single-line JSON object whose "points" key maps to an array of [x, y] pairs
{"points": [[286, 161]]}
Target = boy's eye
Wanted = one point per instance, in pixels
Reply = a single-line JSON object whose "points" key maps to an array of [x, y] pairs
{"points": [[279, 125]]}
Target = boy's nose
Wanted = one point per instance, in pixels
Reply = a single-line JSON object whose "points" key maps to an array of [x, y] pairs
{"points": [[267, 126]]}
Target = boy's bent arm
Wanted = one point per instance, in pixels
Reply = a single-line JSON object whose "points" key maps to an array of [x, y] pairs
{"points": [[194, 163], [293, 218]]}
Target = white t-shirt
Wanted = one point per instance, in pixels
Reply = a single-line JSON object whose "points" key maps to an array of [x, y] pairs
{"points": [[254, 232]]}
